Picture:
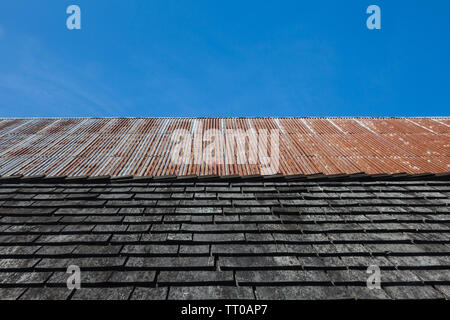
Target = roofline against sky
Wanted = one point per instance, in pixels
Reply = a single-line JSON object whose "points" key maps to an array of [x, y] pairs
{"points": [[294, 117]]}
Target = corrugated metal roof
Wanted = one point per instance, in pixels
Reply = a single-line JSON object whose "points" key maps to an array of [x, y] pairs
{"points": [[144, 146]]}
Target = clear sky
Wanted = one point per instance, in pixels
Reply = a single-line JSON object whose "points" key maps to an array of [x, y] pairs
{"points": [[224, 58]]}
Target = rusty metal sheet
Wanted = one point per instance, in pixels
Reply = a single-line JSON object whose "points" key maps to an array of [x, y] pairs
{"points": [[223, 146]]}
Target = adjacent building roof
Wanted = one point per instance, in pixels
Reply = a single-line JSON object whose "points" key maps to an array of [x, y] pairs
{"points": [[242, 238], [143, 146]]}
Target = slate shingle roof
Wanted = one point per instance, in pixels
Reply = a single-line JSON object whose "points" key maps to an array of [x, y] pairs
{"points": [[242, 238]]}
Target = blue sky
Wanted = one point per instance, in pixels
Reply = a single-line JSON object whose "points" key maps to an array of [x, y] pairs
{"points": [[224, 58]]}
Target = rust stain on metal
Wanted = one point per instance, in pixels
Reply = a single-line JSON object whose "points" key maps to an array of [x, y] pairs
{"points": [[144, 146]]}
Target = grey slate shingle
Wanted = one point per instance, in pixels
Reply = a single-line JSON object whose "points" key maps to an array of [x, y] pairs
{"points": [[11, 293], [46, 294], [143, 293], [303, 293], [210, 292], [195, 277], [410, 292], [121, 293]]}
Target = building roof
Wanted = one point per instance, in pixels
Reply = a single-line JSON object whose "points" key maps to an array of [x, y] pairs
{"points": [[107, 196], [143, 146], [280, 237]]}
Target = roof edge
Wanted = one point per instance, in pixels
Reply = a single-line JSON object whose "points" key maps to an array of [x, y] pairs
{"points": [[236, 117], [317, 177]]}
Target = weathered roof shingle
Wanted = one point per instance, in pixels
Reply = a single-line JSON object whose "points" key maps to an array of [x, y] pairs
{"points": [[260, 238]]}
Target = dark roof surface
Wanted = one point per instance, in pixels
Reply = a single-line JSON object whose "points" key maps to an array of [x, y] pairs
{"points": [[144, 146], [242, 238]]}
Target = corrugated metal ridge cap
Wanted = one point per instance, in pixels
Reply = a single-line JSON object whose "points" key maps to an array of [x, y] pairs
{"points": [[215, 178], [251, 117]]}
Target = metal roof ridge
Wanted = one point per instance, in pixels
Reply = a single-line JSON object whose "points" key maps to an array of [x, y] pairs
{"points": [[246, 117]]}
